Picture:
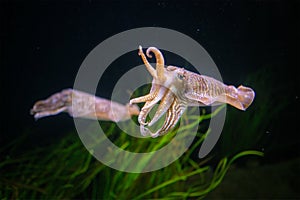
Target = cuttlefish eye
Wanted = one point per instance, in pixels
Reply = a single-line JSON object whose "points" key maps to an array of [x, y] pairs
{"points": [[180, 76]]}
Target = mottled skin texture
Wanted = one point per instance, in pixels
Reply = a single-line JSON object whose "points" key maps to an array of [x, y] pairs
{"points": [[83, 105], [177, 88]]}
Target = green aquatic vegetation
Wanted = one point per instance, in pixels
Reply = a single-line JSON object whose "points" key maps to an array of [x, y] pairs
{"points": [[66, 170]]}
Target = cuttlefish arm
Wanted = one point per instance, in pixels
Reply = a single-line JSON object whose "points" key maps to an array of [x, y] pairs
{"points": [[83, 105], [176, 88]]}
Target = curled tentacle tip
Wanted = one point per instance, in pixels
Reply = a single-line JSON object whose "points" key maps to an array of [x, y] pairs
{"points": [[142, 122], [154, 135], [148, 52], [140, 50], [144, 131]]}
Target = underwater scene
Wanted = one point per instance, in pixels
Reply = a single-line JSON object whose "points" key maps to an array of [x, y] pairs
{"points": [[149, 100]]}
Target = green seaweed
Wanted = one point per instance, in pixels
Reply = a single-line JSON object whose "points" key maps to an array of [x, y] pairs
{"points": [[66, 170]]}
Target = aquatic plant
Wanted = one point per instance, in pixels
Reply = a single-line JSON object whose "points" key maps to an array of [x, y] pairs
{"points": [[66, 170]]}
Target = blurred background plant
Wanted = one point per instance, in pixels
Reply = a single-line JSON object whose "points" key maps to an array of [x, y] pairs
{"points": [[66, 170]]}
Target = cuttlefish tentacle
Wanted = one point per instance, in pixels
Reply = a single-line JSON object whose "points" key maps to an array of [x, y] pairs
{"points": [[160, 63], [172, 117], [155, 87], [161, 93], [144, 113], [157, 92], [148, 97], [154, 97], [165, 104], [144, 131], [152, 94], [149, 105], [150, 69]]}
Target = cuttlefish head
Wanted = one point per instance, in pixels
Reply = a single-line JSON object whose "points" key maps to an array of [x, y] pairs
{"points": [[170, 77]]}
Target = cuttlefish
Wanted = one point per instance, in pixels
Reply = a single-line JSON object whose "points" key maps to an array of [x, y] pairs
{"points": [[83, 105], [177, 88]]}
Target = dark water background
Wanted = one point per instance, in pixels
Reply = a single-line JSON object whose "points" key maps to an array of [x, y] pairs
{"points": [[43, 44]]}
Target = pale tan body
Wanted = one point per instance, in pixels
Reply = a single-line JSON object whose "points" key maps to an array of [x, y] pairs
{"points": [[83, 105], [177, 88]]}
